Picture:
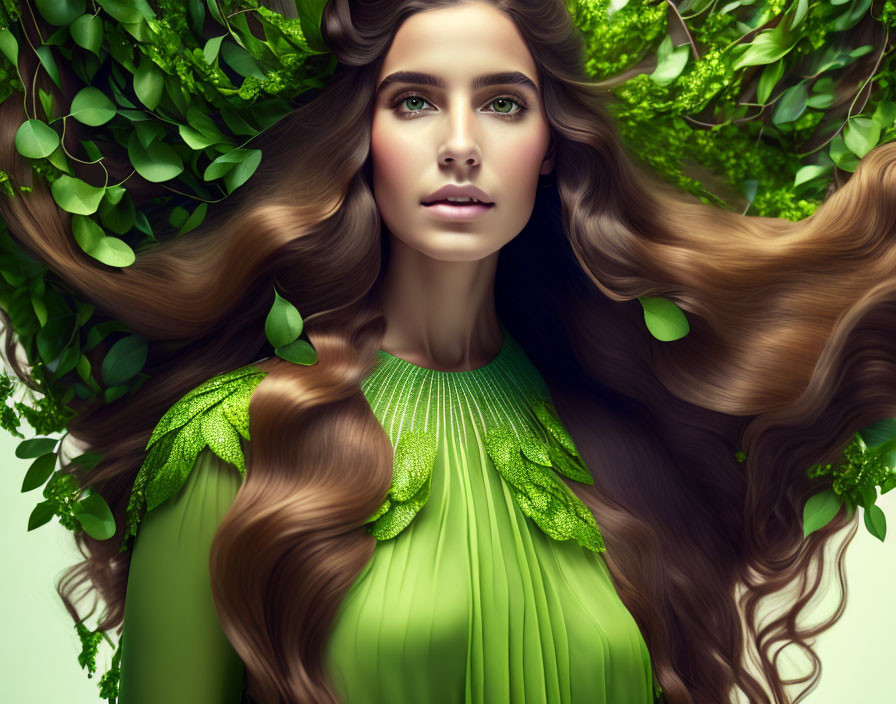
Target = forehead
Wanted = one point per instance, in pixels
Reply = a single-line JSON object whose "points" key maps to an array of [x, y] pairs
{"points": [[458, 42]]}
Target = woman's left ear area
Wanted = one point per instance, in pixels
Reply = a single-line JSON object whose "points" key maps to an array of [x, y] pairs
{"points": [[547, 165]]}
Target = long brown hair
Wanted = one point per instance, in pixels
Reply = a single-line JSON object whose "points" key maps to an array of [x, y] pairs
{"points": [[789, 354]]}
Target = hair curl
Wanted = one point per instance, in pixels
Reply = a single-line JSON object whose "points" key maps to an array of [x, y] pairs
{"points": [[788, 355]]}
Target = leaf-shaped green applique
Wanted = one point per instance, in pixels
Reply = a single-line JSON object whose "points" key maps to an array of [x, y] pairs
{"points": [[563, 452], [415, 455], [215, 413], [538, 491]]}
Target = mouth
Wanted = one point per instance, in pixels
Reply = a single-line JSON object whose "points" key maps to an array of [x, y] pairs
{"points": [[457, 211]]}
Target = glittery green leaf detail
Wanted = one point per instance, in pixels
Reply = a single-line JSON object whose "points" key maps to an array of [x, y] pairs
{"points": [[525, 463], [414, 457], [216, 414]]}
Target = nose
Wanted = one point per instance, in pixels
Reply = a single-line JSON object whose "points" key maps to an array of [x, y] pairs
{"points": [[460, 146]]}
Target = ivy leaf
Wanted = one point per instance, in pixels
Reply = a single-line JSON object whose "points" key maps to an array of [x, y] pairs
{"points": [[87, 32], [283, 323], [60, 13], [861, 135], [149, 80], [876, 522], [95, 516], [664, 319], [820, 510], [90, 106], [35, 139], [158, 162], [75, 196]]}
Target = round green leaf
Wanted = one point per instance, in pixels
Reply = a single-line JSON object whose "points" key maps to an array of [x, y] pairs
{"points": [[842, 156], [820, 510], [123, 360], [60, 12], [41, 514], [861, 135], [90, 106], [39, 471], [671, 61], [87, 32], [95, 517], [158, 162], [121, 10], [149, 80], [811, 171], [665, 320], [297, 352], [36, 139], [283, 323], [75, 196], [876, 522], [113, 252], [224, 163], [87, 233], [34, 447]]}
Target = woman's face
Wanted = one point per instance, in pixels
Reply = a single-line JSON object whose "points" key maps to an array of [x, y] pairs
{"points": [[492, 136]]}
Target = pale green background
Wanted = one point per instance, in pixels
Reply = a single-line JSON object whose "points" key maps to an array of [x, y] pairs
{"points": [[39, 647]]}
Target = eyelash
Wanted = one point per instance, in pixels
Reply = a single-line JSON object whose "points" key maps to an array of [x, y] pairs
{"points": [[406, 114]]}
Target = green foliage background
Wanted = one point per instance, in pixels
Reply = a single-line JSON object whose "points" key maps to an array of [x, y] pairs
{"points": [[756, 106]]}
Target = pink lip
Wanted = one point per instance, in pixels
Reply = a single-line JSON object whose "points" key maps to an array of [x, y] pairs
{"points": [[458, 212]]}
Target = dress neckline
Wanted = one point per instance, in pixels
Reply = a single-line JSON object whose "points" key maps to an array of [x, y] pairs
{"points": [[485, 369]]}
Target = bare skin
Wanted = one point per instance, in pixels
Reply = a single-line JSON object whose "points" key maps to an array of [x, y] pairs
{"points": [[438, 292]]}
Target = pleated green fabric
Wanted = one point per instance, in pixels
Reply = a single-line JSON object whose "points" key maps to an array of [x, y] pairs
{"points": [[472, 600]]}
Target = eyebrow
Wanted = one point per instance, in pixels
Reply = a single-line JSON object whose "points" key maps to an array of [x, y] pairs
{"points": [[488, 79]]}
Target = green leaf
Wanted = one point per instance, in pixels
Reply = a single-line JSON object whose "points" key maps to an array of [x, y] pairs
{"points": [[149, 80], [87, 32], [127, 10], [39, 471], [861, 135], [224, 163], [791, 105], [114, 393], [283, 323], [75, 196], [36, 139], [240, 173], [60, 12], [123, 360], [768, 46], [885, 114], [95, 516], [876, 522], [9, 46], [297, 352], [879, 432], [46, 102], [240, 60], [41, 514], [811, 171], [35, 447], [158, 162], [670, 61], [820, 510], [68, 360], [94, 242], [664, 319], [195, 219], [212, 46], [842, 156], [867, 495], [90, 106], [310, 13], [771, 74], [49, 64]]}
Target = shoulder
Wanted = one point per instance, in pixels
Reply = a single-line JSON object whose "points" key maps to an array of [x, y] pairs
{"points": [[213, 415]]}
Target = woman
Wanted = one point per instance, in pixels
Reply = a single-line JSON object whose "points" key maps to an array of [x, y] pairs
{"points": [[437, 333]]}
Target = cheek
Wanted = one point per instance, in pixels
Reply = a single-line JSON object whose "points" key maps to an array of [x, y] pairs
{"points": [[393, 158], [519, 160]]}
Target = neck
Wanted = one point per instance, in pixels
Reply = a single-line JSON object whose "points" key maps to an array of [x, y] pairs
{"points": [[440, 314]]}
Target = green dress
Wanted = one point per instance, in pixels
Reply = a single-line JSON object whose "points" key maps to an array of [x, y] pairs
{"points": [[478, 590]]}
